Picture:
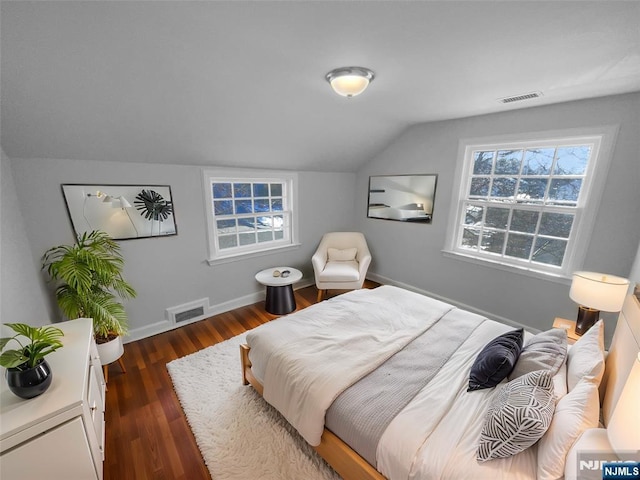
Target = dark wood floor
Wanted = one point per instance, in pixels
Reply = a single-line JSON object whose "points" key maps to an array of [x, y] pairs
{"points": [[147, 434]]}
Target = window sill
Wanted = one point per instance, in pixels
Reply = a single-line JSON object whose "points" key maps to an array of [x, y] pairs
{"points": [[529, 272], [247, 255]]}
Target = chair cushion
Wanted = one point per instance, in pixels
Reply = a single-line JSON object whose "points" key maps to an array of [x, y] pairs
{"points": [[340, 272], [345, 255]]}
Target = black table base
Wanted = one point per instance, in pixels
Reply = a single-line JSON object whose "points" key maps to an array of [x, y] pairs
{"points": [[280, 300]]}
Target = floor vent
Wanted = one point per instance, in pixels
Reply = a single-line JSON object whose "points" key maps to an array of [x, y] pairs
{"points": [[193, 310], [519, 98], [189, 314]]}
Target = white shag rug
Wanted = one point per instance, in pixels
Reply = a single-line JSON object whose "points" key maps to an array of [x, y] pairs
{"points": [[240, 436]]}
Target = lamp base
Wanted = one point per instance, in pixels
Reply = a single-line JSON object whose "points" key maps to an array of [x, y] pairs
{"points": [[587, 317]]}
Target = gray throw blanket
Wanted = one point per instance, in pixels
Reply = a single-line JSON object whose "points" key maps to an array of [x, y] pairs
{"points": [[360, 414]]}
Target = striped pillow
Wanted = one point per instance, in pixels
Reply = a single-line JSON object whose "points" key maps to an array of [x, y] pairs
{"points": [[518, 416]]}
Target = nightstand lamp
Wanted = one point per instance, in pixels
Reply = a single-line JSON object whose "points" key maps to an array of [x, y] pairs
{"points": [[594, 292]]}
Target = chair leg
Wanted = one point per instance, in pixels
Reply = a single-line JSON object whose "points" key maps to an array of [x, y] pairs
{"points": [[320, 292]]}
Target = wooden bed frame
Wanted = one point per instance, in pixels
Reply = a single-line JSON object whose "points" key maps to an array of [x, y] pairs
{"points": [[624, 350], [342, 458]]}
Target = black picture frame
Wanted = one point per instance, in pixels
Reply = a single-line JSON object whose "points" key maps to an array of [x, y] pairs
{"points": [[405, 198], [124, 212]]}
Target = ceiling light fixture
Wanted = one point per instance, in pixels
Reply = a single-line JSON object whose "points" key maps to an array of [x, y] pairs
{"points": [[349, 81]]}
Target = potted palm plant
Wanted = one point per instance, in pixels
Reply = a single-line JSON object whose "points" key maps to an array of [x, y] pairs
{"points": [[91, 285], [28, 373]]}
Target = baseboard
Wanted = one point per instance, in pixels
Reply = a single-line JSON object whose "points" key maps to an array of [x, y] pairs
{"points": [[166, 325], [389, 281]]}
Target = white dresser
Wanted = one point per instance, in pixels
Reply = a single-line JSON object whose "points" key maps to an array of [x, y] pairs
{"points": [[60, 434]]}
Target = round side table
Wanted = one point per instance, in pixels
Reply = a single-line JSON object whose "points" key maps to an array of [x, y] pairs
{"points": [[280, 299]]}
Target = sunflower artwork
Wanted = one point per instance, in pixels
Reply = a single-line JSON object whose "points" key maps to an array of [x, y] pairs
{"points": [[153, 207]]}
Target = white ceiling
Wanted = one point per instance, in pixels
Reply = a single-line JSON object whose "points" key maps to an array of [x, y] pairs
{"points": [[242, 83]]}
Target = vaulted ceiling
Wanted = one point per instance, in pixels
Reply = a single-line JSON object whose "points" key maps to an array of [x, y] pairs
{"points": [[242, 82]]}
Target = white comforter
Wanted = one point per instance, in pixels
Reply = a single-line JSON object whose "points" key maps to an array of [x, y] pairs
{"points": [[352, 337], [436, 435]]}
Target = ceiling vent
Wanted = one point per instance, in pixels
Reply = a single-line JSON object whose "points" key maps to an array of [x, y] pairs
{"points": [[518, 98]]}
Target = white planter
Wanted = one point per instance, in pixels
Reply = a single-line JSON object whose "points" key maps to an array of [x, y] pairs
{"points": [[111, 351]]}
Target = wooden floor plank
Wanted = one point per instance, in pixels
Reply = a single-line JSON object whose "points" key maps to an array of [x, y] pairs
{"points": [[147, 434]]}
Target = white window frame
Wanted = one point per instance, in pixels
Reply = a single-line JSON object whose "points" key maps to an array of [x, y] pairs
{"points": [[290, 211], [602, 140]]}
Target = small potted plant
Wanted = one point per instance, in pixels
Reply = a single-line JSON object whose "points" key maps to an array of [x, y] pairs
{"points": [[28, 373], [91, 285]]}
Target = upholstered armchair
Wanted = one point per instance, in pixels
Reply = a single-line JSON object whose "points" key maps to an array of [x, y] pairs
{"points": [[341, 262]]}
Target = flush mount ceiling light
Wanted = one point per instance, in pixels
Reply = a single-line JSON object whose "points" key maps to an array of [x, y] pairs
{"points": [[350, 81]]}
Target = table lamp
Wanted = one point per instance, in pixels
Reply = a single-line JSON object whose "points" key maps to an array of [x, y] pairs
{"points": [[594, 292]]}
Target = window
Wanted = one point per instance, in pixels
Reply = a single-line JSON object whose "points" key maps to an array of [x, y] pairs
{"points": [[249, 214], [528, 204]]}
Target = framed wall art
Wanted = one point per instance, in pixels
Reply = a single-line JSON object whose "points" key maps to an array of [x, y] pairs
{"points": [[404, 198], [124, 212]]}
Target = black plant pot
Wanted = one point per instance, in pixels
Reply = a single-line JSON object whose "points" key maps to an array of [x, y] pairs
{"points": [[31, 382]]}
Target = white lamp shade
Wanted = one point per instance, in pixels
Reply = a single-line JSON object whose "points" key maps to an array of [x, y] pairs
{"points": [[599, 291], [122, 203], [117, 202], [350, 81], [623, 429]]}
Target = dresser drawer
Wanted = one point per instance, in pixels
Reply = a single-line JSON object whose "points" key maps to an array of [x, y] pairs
{"points": [[96, 366], [60, 453], [95, 400]]}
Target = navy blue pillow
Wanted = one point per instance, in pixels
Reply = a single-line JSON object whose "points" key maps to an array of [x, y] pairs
{"points": [[496, 360]]}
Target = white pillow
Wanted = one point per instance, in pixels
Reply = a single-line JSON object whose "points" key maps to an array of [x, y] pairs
{"points": [[586, 357], [576, 412], [544, 351], [346, 255], [560, 382]]}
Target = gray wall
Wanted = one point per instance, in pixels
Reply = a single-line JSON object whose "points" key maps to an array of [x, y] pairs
{"points": [[22, 295], [171, 271], [411, 254]]}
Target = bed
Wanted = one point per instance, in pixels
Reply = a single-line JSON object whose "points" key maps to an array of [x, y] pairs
{"points": [[378, 381]]}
